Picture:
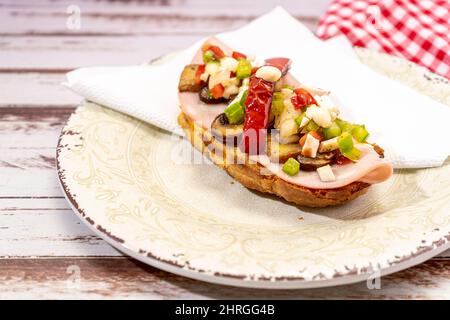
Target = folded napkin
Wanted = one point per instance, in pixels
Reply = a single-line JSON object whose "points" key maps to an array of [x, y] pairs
{"points": [[417, 30], [410, 126]]}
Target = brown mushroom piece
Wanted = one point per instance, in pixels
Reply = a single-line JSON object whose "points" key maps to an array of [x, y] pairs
{"points": [[311, 164], [188, 79], [206, 97], [280, 153], [223, 131]]}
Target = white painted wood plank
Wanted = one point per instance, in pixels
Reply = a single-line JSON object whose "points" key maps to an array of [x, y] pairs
{"points": [[28, 177], [196, 7], [41, 227], [194, 17], [8, 205], [28, 138], [120, 278], [65, 53], [43, 232], [35, 89]]}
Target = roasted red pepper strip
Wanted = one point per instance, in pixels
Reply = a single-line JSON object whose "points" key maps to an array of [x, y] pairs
{"points": [[257, 109], [302, 98]]}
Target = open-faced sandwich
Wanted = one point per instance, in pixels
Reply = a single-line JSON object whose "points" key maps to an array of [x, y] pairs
{"points": [[273, 134]]}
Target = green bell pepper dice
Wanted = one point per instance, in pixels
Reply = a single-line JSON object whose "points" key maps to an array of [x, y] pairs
{"points": [[333, 131], [345, 142], [346, 147], [244, 69], [208, 56], [360, 133], [235, 113], [291, 167]]}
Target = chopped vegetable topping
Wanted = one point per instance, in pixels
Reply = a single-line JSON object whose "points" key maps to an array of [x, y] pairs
{"points": [[329, 145], [237, 55], [244, 96], [326, 173], [299, 119], [360, 133], [333, 131], [353, 154], [235, 113], [244, 69], [302, 98], [217, 52], [346, 147], [198, 73], [221, 77], [291, 167], [259, 99], [208, 56], [217, 91], [312, 126], [229, 64], [269, 73], [311, 144], [315, 134], [345, 142], [344, 125]]}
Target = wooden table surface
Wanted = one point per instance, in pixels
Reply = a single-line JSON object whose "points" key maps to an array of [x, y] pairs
{"points": [[45, 250]]}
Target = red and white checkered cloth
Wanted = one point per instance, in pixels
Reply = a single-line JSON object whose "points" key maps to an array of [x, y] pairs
{"points": [[418, 30]]}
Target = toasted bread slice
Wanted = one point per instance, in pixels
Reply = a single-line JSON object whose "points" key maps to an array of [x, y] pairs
{"points": [[249, 174]]}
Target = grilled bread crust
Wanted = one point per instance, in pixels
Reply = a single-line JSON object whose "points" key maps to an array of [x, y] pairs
{"points": [[250, 174]]}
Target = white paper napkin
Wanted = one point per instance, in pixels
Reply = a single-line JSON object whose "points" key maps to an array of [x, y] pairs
{"points": [[411, 127]]}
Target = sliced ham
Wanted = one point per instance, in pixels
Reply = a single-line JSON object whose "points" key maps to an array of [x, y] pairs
{"points": [[370, 168], [201, 113]]}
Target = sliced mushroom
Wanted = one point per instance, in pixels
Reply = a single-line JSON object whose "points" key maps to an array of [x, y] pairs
{"points": [[311, 164], [223, 131], [206, 97], [280, 153], [188, 79]]}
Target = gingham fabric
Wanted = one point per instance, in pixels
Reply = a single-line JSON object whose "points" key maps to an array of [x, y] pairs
{"points": [[417, 30]]}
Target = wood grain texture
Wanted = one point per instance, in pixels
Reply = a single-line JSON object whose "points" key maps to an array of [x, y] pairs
{"points": [[125, 278], [28, 137], [30, 89], [145, 17], [59, 54]]}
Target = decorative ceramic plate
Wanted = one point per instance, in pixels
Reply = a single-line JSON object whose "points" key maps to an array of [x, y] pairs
{"points": [[137, 188]]}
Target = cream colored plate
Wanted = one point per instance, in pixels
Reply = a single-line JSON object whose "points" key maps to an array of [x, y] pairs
{"points": [[134, 185]]}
